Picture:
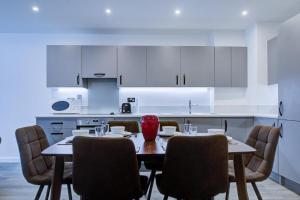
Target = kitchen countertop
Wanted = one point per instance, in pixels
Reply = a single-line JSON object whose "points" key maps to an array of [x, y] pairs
{"points": [[196, 115]]}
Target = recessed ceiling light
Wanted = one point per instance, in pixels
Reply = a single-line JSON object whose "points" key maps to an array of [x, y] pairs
{"points": [[35, 8], [108, 11], [244, 13], [177, 12]]}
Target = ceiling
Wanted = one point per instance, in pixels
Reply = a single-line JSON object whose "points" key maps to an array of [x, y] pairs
{"points": [[89, 15]]}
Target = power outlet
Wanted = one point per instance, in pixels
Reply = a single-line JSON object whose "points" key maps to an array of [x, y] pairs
{"points": [[131, 99]]}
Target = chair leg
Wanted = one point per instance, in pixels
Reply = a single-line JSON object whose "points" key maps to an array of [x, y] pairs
{"points": [[151, 182], [48, 192], [39, 192], [69, 191], [227, 192], [256, 191], [165, 197]]}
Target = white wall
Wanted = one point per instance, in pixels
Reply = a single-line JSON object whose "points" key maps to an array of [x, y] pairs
{"points": [[23, 67]]}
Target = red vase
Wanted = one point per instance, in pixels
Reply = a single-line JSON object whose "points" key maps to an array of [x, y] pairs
{"points": [[150, 124]]}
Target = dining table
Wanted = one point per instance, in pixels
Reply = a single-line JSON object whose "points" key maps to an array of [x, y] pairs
{"points": [[146, 150]]}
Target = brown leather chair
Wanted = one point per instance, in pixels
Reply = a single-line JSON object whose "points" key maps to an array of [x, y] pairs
{"points": [[106, 168], [130, 126], [37, 169], [194, 167], [169, 123], [258, 166], [157, 165]]}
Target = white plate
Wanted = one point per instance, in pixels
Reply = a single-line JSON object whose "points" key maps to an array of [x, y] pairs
{"points": [[162, 134], [229, 138], [113, 135]]}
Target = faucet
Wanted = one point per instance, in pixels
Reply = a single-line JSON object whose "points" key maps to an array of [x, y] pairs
{"points": [[190, 106]]}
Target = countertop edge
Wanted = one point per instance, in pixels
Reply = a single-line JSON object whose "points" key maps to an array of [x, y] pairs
{"points": [[232, 115]]}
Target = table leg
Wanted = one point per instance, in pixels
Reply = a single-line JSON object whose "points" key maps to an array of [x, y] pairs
{"points": [[57, 178], [239, 170]]}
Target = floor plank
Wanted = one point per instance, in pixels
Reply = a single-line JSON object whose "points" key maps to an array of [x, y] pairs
{"points": [[13, 186]]}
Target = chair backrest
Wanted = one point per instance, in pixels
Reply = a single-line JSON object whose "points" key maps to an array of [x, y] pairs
{"points": [[130, 126], [31, 142], [264, 139], [105, 168], [196, 167], [169, 123]]}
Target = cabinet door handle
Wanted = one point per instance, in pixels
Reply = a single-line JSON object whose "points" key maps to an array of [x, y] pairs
{"points": [[226, 126], [184, 79], [78, 79], [120, 79], [57, 133], [57, 123], [273, 124], [99, 74], [280, 134], [280, 108], [176, 79]]}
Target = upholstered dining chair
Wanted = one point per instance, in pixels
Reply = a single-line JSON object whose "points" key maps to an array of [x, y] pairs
{"points": [[130, 126], [106, 168], [258, 166], [157, 165], [195, 167], [37, 169]]}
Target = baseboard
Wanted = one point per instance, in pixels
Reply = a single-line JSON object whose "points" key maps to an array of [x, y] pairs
{"points": [[9, 159]]}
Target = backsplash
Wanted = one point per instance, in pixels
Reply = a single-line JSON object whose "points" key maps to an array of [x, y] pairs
{"points": [[103, 97]]}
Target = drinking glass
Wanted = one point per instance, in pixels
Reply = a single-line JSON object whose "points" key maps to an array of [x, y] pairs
{"points": [[186, 128], [102, 129], [193, 129]]}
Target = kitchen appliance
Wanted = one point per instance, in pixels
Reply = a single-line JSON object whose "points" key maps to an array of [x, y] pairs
{"points": [[126, 108], [89, 124], [66, 106]]}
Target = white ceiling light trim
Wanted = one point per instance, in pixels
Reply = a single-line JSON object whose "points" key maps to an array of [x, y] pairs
{"points": [[35, 8], [177, 12], [108, 11], [245, 13]]}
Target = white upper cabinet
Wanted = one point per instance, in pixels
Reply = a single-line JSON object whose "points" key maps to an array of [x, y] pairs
{"points": [[197, 66], [163, 66], [132, 66], [99, 62], [64, 66]]}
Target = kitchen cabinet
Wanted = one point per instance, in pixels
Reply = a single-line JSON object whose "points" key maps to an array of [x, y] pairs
{"points": [[197, 66], [205, 123], [289, 69], [222, 66], [272, 61], [231, 67], [289, 148], [64, 66], [132, 62], [238, 128], [239, 67], [99, 62], [163, 66], [56, 129]]}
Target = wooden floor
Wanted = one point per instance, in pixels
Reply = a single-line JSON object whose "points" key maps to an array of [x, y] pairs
{"points": [[14, 187]]}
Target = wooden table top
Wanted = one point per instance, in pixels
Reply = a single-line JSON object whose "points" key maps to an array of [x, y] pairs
{"points": [[143, 147]]}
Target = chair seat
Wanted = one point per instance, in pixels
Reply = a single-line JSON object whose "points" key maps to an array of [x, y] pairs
{"points": [[250, 175], [46, 178]]}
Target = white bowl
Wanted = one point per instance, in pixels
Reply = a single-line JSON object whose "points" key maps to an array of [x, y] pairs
{"points": [[80, 132], [117, 129], [169, 129], [216, 131]]}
